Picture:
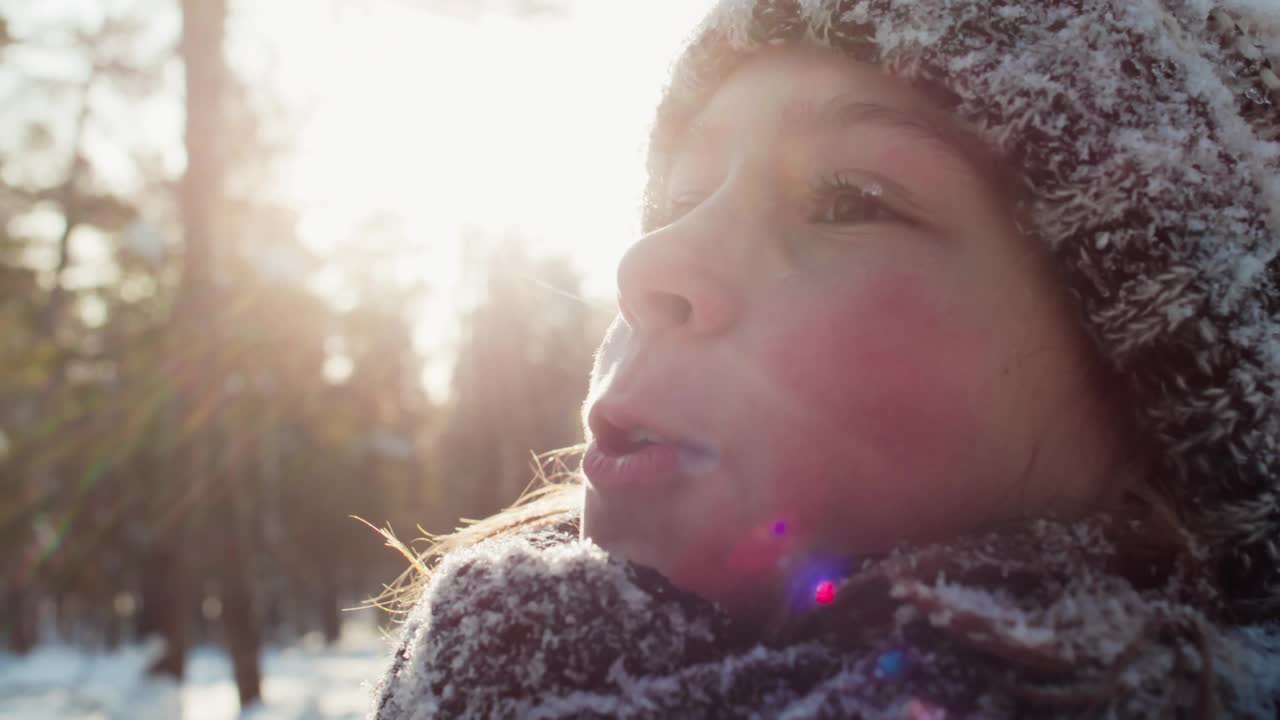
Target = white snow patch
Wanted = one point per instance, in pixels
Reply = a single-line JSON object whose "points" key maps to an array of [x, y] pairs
{"points": [[302, 682]]}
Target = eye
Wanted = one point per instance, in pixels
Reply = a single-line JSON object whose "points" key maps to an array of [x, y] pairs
{"points": [[837, 200], [851, 207]]}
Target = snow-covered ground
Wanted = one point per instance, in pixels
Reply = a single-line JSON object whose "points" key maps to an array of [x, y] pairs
{"points": [[306, 681]]}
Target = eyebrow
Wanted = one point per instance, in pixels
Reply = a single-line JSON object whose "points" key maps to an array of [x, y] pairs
{"points": [[843, 113], [840, 113]]}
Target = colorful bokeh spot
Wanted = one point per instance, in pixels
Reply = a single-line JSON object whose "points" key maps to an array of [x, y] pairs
{"points": [[779, 528], [825, 592], [918, 709], [890, 663], [812, 579]]}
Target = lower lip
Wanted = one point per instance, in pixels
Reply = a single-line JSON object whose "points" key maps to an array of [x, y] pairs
{"points": [[648, 467]]}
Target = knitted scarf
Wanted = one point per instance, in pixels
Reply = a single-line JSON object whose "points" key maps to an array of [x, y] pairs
{"points": [[1043, 619]]}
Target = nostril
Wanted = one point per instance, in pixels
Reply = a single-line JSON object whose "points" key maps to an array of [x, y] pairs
{"points": [[609, 437], [673, 309]]}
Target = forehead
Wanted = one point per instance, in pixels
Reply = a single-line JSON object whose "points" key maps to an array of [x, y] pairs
{"points": [[788, 83], [789, 92], [808, 92]]}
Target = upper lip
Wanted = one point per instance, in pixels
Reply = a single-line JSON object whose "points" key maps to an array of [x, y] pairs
{"points": [[611, 423]]}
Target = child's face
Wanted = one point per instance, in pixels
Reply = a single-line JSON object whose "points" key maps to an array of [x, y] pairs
{"points": [[847, 339]]}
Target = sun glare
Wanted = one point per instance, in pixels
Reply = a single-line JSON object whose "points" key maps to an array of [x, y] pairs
{"points": [[532, 126]]}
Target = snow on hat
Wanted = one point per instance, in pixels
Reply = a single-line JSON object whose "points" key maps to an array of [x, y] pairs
{"points": [[1145, 133]]}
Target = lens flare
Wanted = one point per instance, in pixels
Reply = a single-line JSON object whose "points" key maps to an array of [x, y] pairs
{"points": [[918, 709], [825, 593], [812, 580], [890, 663]]}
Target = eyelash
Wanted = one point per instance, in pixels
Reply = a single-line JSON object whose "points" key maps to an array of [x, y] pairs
{"points": [[825, 190], [831, 188]]}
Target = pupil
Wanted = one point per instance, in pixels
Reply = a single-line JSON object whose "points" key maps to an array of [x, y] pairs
{"points": [[847, 206]]}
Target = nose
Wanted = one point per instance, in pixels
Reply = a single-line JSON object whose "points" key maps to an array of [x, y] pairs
{"points": [[666, 282]]}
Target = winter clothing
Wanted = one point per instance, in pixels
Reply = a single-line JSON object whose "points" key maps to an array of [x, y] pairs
{"points": [[1145, 137], [1044, 620], [1145, 133]]}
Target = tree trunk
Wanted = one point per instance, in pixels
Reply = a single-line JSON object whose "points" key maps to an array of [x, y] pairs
{"points": [[198, 315], [239, 617], [17, 591], [239, 622], [165, 602], [330, 609], [190, 363], [20, 610]]}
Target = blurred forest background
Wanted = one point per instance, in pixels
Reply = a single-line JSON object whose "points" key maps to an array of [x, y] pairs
{"points": [[186, 422]]}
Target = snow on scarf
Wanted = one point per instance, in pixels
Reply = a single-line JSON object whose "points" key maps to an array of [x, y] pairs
{"points": [[1045, 620]]}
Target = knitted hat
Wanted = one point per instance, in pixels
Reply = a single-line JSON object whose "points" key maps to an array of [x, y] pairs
{"points": [[1145, 133]]}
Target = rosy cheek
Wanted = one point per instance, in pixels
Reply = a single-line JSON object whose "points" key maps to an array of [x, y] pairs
{"points": [[854, 340], [882, 364]]}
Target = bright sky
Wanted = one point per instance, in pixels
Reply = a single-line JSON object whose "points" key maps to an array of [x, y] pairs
{"points": [[536, 124], [447, 121]]}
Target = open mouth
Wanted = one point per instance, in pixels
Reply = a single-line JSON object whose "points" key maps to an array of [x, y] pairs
{"points": [[629, 453], [616, 441]]}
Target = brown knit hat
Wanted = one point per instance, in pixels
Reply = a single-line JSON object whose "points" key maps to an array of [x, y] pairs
{"points": [[1146, 135]]}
